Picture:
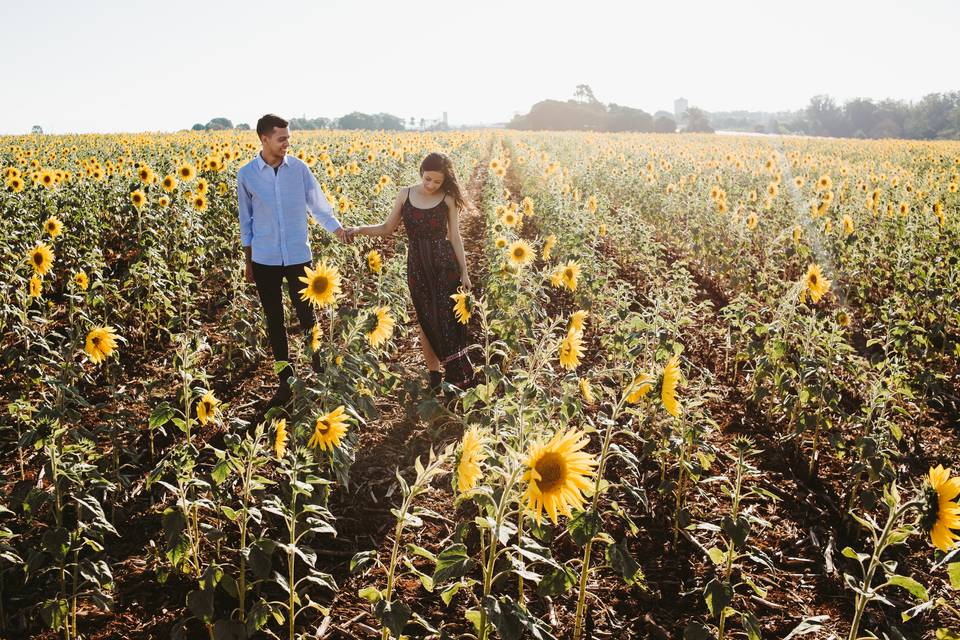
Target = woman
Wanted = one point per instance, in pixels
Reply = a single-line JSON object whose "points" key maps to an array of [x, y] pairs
{"points": [[436, 265]]}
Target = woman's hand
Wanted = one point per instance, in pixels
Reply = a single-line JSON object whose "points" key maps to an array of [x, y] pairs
{"points": [[465, 281]]}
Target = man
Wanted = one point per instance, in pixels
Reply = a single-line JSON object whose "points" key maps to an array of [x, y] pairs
{"points": [[274, 193]]}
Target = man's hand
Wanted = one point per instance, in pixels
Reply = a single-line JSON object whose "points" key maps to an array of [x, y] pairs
{"points": [[248, 271], [465, 281], [342, 235]]}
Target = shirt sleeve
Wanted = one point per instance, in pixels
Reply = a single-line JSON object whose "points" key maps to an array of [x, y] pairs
{"points": [[317, 202], [245, 207]]}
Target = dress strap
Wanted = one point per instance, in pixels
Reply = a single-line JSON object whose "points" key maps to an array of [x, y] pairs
{"points": [[408, 197]]}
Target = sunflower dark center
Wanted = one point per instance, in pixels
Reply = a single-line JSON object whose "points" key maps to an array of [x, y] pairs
{"points": [[96, 341], [38, 258], [552, 470], [320, 284], [931, 508]]}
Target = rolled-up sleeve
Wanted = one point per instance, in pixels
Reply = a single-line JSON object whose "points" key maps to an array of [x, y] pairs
{"points": [[317, 202], [245, 207]]}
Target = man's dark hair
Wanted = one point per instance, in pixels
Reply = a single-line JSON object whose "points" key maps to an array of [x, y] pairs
{"points": [[266, 124]]}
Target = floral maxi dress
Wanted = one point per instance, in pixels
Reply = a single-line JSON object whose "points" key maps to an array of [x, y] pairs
{"points": [[433, 275]]}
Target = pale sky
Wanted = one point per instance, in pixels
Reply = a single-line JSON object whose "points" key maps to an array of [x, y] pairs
{"points": [[162, 65]]}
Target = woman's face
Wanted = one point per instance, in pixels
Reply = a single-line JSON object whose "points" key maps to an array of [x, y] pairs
{"points": [[432, 181]]}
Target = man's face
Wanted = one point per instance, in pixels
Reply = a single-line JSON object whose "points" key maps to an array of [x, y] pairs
{"points": [[276, 142]]}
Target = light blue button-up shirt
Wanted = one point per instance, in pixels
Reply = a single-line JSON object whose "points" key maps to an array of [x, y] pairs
{"points": [[273, 210]]}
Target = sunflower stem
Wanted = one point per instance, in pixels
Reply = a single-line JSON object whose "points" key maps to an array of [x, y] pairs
{"points": [[585, 564]]}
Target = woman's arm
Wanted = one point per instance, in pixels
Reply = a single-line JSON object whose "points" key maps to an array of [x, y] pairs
{"points": [[388, 226], [453, 225]]}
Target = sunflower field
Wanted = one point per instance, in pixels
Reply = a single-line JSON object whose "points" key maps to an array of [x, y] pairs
{"points": [[718, 394]]}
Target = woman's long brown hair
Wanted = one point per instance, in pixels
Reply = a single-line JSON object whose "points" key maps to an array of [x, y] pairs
{"points": [[441, 162]]}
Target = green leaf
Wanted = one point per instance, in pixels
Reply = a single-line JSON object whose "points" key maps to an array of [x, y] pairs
{"points": [[473, 616], [946, 634], [915, 588], [737, 531], [392, 615], [853, 555], [751, 626], [584, 527], [618, 555], [370, 594], [56, 542], [718, 596], [200, 603], [229, 512], [220, 472], [54, 613], [953, 570], [718, 556], [556, 581], [447, 594], [452, 563], [511, 621], [362, 559]]}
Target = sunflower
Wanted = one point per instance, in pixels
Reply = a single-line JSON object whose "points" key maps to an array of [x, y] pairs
{"points": [[53, 226], [323, 285], [602, 229], [138, 198], [548, 244], [163, 201], [315, 333], [280, 438], [521, 253], [199, 202], [202, 185], [41, 259], [847, 225], [904, 208], [571, 350], [472, 455], [207, 407], [824, 183], [557, 473], [15, 184], [462, 305], [383, 327], [101, 342], [797, 233], [843, 318], [668, 390], [577, 320], [501, 242], [814, 283], [186, 172], [81, 280], [36, 286], [752, 221], [585, 391], [374, 261], [592, 204], [329, 430], [941, 515], [145, 174], [639, 388], [569, 273], [169, 183]]}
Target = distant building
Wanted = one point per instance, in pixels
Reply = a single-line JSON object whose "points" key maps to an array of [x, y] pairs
{"points": [[680, 106], [445, 123]]}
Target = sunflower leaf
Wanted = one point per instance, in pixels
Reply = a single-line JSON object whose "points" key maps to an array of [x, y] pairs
{"points": [[915, 588], [953, 570]]}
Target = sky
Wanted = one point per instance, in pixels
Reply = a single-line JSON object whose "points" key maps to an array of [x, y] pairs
{"points": [[101, 66]]}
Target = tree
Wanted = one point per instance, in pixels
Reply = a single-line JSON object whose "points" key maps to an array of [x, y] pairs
{"points": [[825, 117], [664, 124], [697, 121], [861, 114], [628, 119], [219, 124], [37, 129], [584, 93], [243, 126], [198, 127]]}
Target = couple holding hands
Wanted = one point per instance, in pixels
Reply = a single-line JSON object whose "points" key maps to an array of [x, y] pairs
{"points": [[274, 192]]}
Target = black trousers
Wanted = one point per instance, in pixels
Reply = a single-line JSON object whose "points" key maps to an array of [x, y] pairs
{"points": [[269, 280]]}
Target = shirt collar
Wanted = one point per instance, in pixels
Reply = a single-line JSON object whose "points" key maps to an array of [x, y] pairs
{"points": [[261, 163]]}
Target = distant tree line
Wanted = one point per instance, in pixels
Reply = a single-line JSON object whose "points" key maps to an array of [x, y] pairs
{"points": [[935, 116], [355, 120], [586, 113]]}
